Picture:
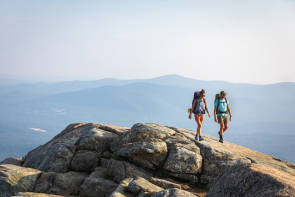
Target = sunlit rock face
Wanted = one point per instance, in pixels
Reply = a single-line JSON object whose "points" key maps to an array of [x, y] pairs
{"points": [[90, 160]]}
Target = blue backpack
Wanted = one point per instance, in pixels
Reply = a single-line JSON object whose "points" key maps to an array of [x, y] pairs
{"points": [[218, 97]]}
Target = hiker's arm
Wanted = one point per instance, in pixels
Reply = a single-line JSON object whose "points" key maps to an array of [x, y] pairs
{"points": [[206, 107], [215, 110], [229, 111]]}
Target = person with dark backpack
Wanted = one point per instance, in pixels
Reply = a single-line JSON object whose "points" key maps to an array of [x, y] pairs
{"points": [[221, 109], [199, 108]]}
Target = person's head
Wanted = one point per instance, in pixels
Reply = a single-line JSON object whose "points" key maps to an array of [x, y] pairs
{"points": [[222, 94], [203, 93]]}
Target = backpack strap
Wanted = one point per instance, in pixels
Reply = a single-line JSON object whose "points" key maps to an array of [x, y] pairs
{"points": [[217, 108], [193, 108]]}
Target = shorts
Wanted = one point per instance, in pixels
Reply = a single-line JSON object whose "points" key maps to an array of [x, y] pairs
{"points": [[201, 117], [223, 119]]}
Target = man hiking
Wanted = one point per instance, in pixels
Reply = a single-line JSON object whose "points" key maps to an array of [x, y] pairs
{"points": [[221, 109], [199, 108]]}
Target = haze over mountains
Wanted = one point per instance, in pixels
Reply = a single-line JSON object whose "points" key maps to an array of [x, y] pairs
{"points": [[33, 113]]}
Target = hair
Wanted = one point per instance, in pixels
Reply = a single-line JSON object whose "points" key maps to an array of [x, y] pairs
{"points": [[222, 93], [202, 91]]}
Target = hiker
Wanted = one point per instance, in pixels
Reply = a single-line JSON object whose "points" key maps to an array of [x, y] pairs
{"points": [[199, 108], [221, 109]]}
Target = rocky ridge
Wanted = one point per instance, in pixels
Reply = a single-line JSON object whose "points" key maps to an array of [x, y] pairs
{"points": [[97, 160]]}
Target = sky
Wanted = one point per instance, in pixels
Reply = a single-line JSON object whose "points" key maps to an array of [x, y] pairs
{"points": [[249, 41]]}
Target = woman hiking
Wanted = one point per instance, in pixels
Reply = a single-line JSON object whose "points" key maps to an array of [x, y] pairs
{"points": [[199, 108]]}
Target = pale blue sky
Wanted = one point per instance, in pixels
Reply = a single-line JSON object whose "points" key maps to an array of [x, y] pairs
{"points": [[238, 41]]}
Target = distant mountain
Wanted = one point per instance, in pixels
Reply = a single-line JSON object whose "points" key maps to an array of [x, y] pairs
{"points": [[7, 80], [40, 89], [262, 114]]}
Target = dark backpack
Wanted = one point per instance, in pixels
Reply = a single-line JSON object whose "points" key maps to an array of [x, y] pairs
{"points": [[218, 97], [197, 95]]}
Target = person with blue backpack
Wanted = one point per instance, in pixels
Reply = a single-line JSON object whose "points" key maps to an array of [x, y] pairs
{"points": [[199, 108], [221, 109]]}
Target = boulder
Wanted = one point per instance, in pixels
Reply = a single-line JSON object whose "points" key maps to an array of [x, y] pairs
{"points": [[13, 161], [141, 185], [166, 184], [119, 130], [188, 135], [183, 140], [100, 172], [253, 180], [217, 157], [144, 144], [97, 140], [191, 178], [173, 193], [95, 185], [57, 154], [142, 132], [152, 130], [85, 160], [120, 170], [32, 194], [182, 160], [60, 183], [17, 179], [121, 190], [107, 155], [147, 154], [145, 132]]}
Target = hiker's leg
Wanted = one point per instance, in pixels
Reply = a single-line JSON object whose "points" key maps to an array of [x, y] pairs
{"points": [[221, 123], [225, 128], [199, 122], [225, 124], [221, 129]]}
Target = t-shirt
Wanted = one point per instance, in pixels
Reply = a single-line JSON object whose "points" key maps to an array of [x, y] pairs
{"points": [[222, 106]]}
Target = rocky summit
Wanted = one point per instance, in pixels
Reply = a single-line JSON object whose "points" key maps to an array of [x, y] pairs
{"points": [[97, 160]]}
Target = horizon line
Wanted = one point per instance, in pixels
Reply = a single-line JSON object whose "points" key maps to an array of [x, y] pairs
{"points": [[27, 80]]}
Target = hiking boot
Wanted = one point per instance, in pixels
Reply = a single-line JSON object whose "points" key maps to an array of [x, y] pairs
{"points": [[220, 139], [201, 138], [197, 138]]}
